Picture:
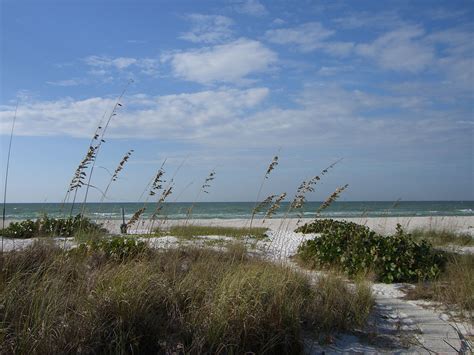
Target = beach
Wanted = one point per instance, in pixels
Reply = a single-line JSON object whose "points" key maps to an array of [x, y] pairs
{"points": [[393, 317], [383, 225]]}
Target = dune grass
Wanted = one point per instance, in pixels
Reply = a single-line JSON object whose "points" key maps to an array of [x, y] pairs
{"points": [[443, 237], [454, 288], [190, 300], [191, 231]]}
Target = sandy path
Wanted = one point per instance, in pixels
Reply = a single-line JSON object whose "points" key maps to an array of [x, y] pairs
{"points": [[401, 326]]}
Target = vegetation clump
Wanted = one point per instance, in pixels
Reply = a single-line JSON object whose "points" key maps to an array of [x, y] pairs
{"points": [[191, 231], [453, 288], [169, 301], [328, 224], [357, 249], [443, 237], [117, 248], [52, 227]]}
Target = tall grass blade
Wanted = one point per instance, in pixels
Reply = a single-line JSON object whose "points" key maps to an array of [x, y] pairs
{"points": [[270, 168], [112, 114], [6, 172]]}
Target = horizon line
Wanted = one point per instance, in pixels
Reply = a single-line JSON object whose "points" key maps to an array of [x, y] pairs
{"points": [[95, 202]]}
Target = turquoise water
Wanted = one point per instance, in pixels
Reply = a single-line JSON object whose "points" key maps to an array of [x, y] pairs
{"points": [[226, 210]]}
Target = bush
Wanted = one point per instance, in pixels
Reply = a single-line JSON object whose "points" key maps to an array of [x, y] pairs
{"points": [[52, 227], [356, 250], [24, 229], [117, 248], [323, 225]]}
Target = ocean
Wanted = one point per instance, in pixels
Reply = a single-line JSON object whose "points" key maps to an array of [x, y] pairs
{"points": [[228, 210]]}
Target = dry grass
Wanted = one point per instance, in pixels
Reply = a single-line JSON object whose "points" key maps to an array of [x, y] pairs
{"points": [[191, 231], [161, 301], [454, 288], [337, 308], [443, 237]]}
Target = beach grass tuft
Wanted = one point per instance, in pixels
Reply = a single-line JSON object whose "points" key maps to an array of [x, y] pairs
{"points": [[176, 300], [190, 231], [443, 237], [454, 288]]}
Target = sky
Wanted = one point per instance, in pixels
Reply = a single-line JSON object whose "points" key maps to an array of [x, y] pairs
{"points": [[226, 85]]}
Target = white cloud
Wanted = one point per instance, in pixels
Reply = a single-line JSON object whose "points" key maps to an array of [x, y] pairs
{"points": [[455, 42], [251, 7], [401, 50], [208, 28], [103, 64], [278, 21], [328, 116], [309, 37], [66, 117], [338, 49], [230, 62], [320, 116], [334, 70], [136, 41], [67, 82], [181, 116], [353, 20], [445, 14], [148, 66], [456, 56]]}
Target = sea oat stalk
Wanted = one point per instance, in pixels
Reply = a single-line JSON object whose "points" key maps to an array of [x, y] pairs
{"points": [[299, 199], [78, 179], [6, 173], [264, 204], [204, 188], [270, 168], [102, 140], [135, 217], [159, 205], [334, 196], [274, 207], [117, 170]]}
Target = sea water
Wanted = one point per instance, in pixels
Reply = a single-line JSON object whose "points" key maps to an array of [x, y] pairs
{"points": [[229, 210]]}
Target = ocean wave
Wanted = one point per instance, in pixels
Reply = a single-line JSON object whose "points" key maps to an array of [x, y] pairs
{"points": [[244, 211], [106, 214]]}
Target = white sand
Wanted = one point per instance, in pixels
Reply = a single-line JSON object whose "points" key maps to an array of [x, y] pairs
{"points": [[384, 225], [283, 242]]}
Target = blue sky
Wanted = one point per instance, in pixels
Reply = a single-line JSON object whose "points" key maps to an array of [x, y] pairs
{"points": [[225, 85]]}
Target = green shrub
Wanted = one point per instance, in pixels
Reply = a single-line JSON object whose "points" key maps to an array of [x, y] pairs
{"points": [[354, 250], [52, 227], [323, 225], [117, 248], [24, 229]]}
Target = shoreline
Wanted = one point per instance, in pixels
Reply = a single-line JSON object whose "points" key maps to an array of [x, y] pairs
{"points": [[383, 225]]}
